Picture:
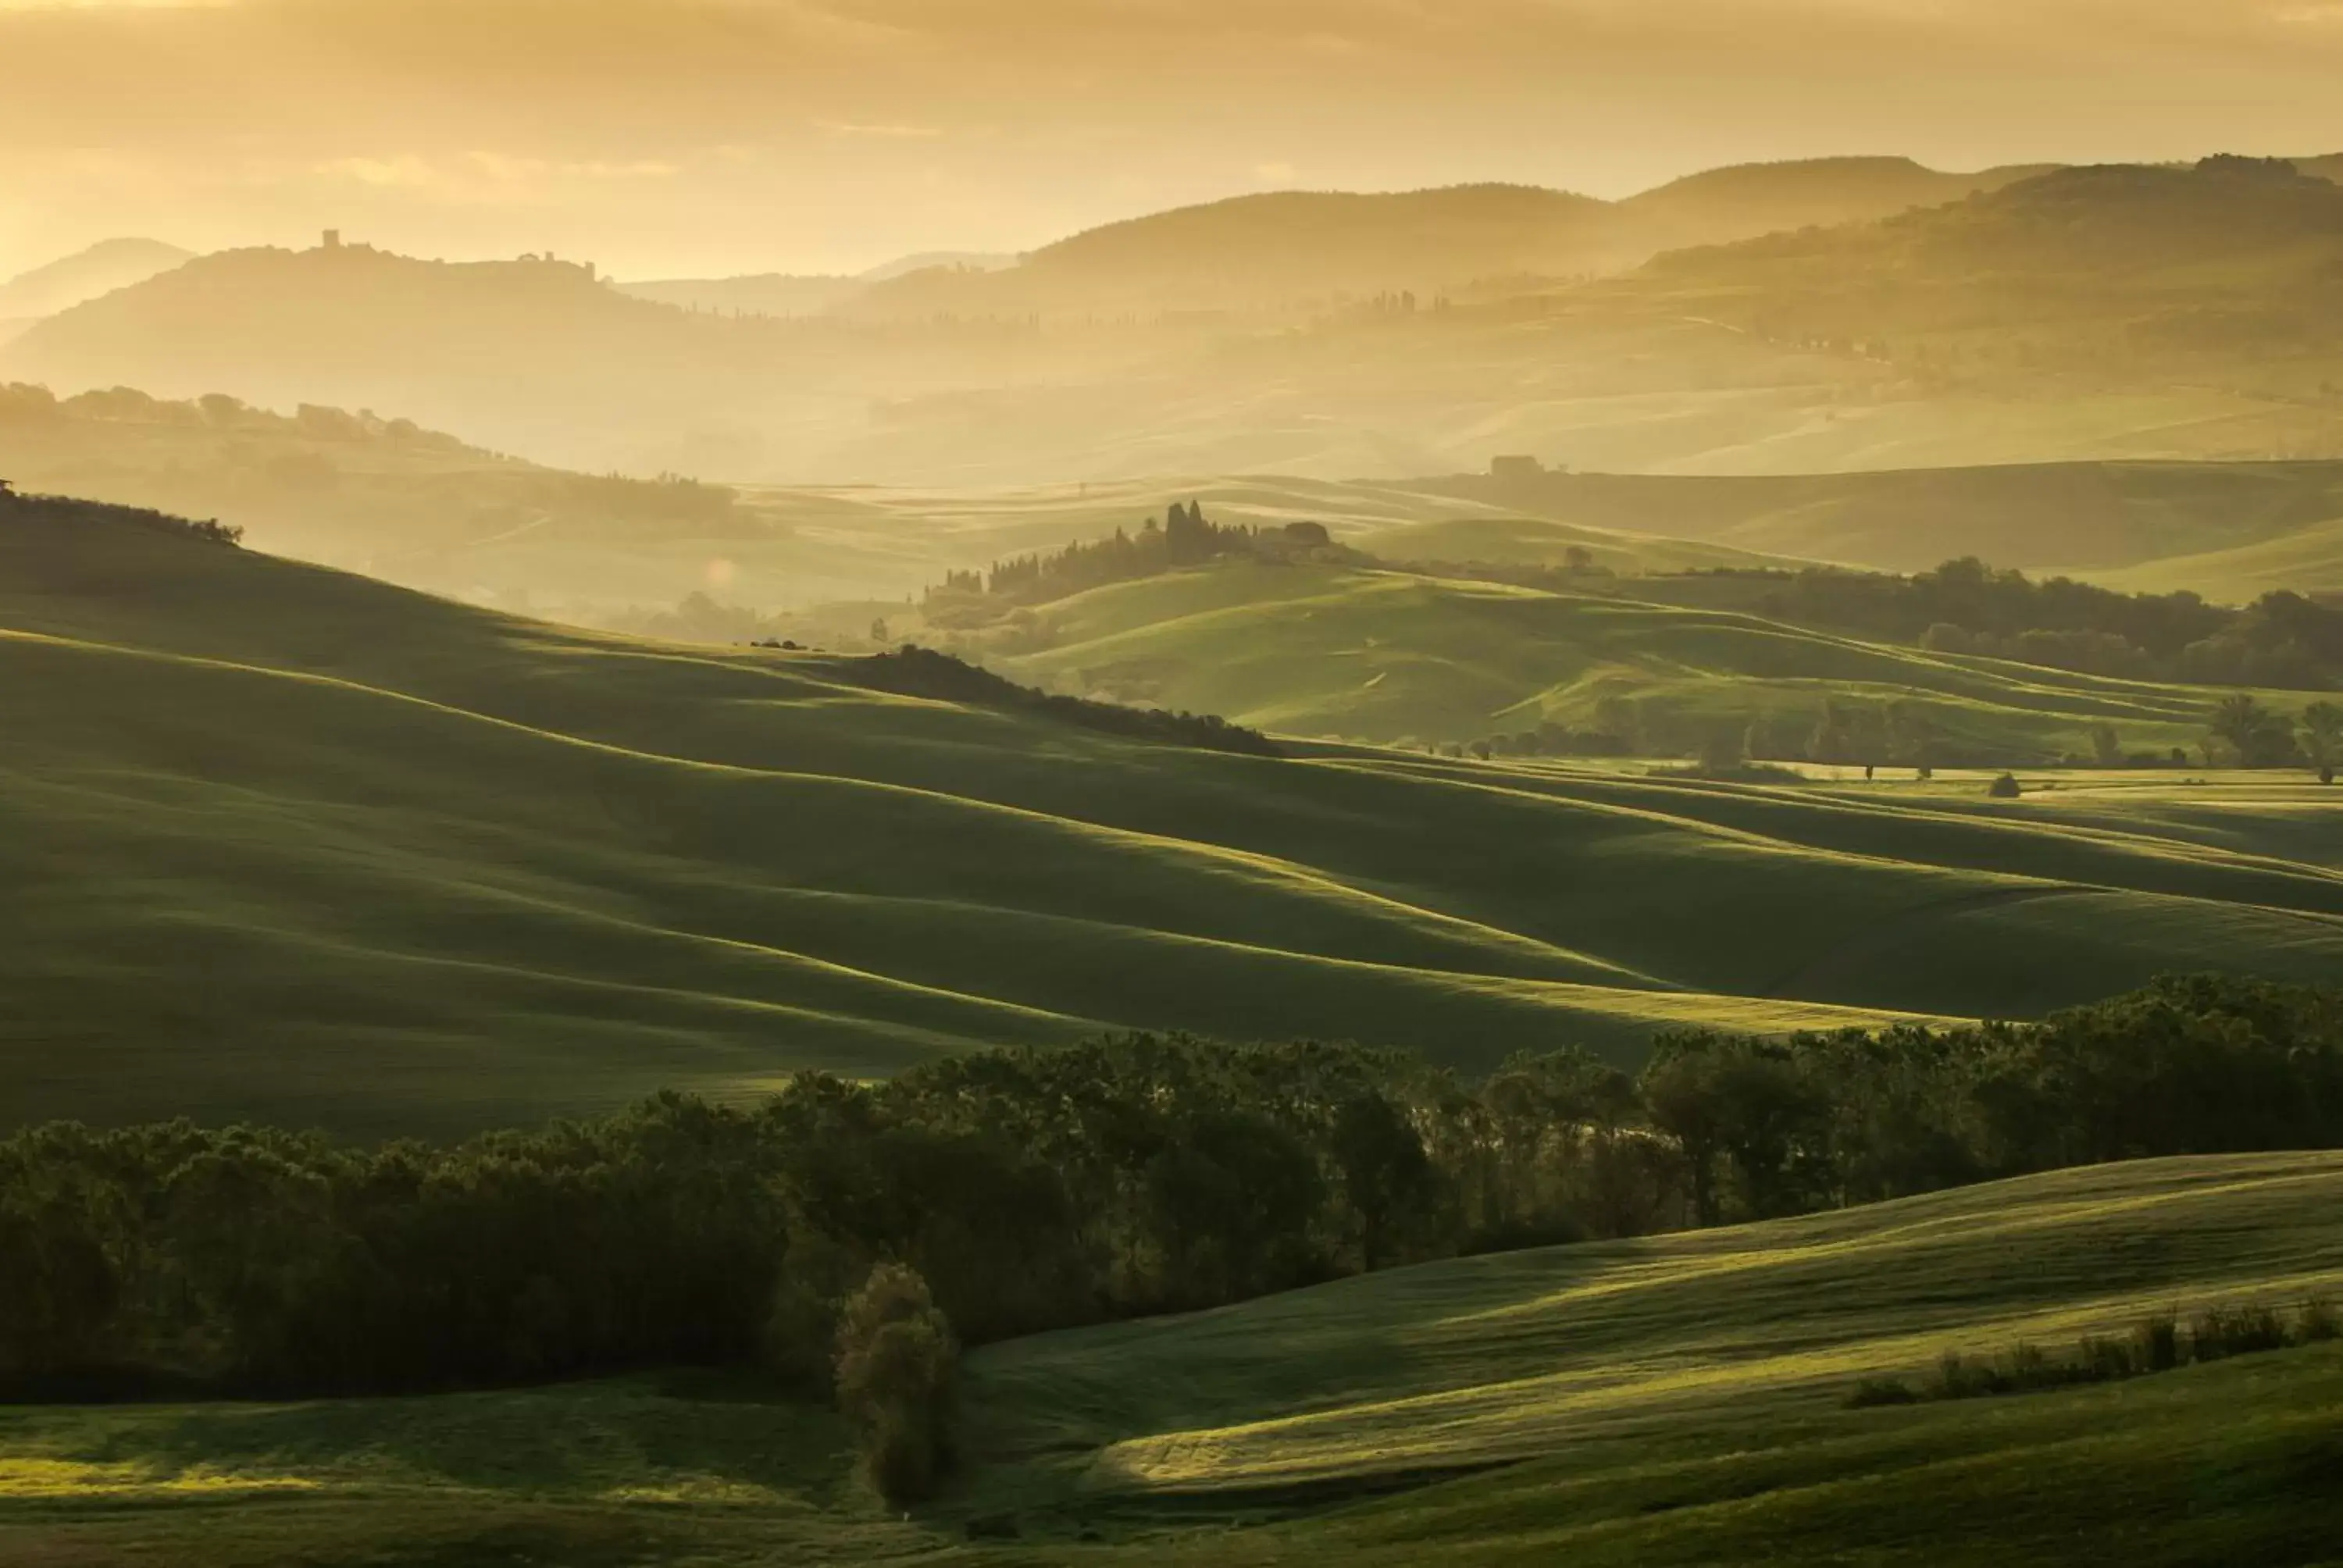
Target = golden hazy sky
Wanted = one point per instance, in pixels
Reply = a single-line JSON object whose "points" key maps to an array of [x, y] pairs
{"points": [[673, 136]]}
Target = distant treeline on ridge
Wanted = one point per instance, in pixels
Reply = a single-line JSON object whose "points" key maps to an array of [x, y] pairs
{"points": [[66, 508], [1185, 538]]}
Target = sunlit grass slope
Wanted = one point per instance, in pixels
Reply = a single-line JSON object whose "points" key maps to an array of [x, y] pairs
{"points": [[1607, 1346], [2103, 519], [1534, 542], [1677, 1400], [1389, 655], [650, 1470], [2230, 1462], [290, 844], [2308, 560]]}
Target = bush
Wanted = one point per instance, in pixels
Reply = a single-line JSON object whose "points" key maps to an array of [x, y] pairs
{"points": [[2157, 1345], [1873, 1391], [897, 1363], [2004, 787]]}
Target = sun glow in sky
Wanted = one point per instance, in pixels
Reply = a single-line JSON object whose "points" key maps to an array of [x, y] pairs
{"points": [[678, 136]]}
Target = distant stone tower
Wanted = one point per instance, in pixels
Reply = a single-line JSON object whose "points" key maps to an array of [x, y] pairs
{"points": [[332, 240]]}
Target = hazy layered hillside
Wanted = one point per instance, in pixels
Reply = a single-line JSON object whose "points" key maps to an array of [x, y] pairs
{"points": [[764, 293], [101, 269], [526, 353], [2125, 312], [424, 509], [788, 294], [1747, 200], [1336, 336], [585, 866], [2086, 269], [1293, 249], [1306, 249], [421, 509]]}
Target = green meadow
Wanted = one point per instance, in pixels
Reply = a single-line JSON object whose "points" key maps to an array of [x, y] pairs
{"points": [[1677, 1399], [523, 1042], [2103, 520], [2307, 560], [317, 850], [1392, 656]]}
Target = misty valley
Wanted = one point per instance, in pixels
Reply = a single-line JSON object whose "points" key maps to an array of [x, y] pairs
{"points": [[1441, 871]]}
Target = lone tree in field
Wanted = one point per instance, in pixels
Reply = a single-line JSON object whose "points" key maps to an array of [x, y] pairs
{"points": [[897, 1364], [2254, 735]]}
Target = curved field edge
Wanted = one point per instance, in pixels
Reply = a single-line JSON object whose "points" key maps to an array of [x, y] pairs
{"points": [[1722, 1437], [1455, 1365], [306, 847]]}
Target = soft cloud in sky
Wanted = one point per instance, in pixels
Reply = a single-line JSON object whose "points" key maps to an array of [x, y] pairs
{"points": [[671, 135]]}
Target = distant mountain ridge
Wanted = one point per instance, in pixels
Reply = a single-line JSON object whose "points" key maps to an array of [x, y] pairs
{"points": [[86, 275], [1283, 248], [2098, 265], [1746, 200], [2127, 312], [1278, 247], [801, 293], [511, 348]]}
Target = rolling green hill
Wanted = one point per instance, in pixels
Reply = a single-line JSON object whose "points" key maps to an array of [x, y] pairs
{"points": [[1605, 1346], [1390, 657], [2106, 521], [304, 846], [2304, 560], [1502, 541], [1677, 1400], [427, 510]]}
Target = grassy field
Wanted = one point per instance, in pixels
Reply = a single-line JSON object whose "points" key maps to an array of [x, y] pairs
{"points": [[2307, 560], [1389, 656], [2110, 521], [1519, 1355], [303, 847], [1536, 542], [1674, 1400], [433, 513]]}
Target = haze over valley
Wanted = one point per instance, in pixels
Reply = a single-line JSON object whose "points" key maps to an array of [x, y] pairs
{"points": [[1070, 783]]}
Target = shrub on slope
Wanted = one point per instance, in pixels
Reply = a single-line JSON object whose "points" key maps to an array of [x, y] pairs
{"points": [[923, 672]]}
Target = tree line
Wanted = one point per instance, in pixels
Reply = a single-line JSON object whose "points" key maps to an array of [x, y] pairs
{"points": [[2240, 731], [2283, 639], [25, 404], [85, 514], [1023, 1190]]}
